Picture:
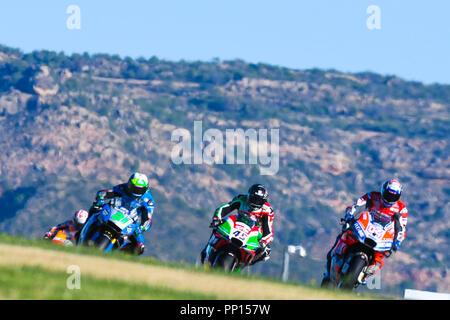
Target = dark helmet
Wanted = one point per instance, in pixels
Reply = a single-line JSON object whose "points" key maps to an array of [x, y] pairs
{"points": [[137, 184], [257, 195], [391, 191]]}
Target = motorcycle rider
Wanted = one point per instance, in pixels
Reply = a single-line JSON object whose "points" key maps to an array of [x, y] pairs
{"points": [[254, 204], [72, 227], [134, 194], [385, 206]]}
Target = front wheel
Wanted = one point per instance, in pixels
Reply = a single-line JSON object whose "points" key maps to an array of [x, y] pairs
{"points": [[226, 261], [102, 242], [351, 279]]}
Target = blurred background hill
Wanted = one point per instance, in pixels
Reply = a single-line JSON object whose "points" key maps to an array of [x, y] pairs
{"points": [[71, 125]]}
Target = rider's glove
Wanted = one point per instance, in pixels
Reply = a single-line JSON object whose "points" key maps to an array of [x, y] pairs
{"points": [[48, 235], [100, 200], [215, 223], [140, 248], [346, 223], [348, 218], [349, 213], [99, 203], [396, 245]]}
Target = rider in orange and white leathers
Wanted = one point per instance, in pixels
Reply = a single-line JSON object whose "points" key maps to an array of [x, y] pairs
{"points": [[72, 226], [385, 206]]}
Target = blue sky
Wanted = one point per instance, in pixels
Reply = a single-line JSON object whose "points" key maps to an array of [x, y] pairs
{"points": [[413, 42]]}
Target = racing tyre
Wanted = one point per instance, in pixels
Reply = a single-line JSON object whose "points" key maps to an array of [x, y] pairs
{"points": [[350, 279], [225, 261], [102, 242]]}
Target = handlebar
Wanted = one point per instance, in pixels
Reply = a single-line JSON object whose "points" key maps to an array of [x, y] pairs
{"points": [[215, 223], [346, 224]]}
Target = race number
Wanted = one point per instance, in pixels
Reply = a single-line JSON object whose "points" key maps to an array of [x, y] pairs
{"points": [[375, 231], [240, 235]]}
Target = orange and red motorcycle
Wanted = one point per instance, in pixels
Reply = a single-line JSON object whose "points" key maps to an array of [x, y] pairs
{"points": [[364, 238]]}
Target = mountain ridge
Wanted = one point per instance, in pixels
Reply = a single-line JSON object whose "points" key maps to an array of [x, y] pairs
{"points": [[71, 125]]}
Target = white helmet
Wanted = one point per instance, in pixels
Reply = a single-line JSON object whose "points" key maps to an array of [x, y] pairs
{"points": [[80, 217]]}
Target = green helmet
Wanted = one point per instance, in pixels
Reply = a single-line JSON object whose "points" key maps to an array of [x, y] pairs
{"points": [[137, 184]]}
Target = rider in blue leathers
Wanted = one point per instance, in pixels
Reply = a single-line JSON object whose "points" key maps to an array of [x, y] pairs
{"points": [[134, 194]]}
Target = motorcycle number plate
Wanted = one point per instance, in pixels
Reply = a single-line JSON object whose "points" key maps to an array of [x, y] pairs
{"points": [[375, 231], [241, 235]]}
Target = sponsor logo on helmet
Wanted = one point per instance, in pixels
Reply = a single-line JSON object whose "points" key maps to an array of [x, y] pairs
{"points": [[394, 187], [81, 216], [139, 179]]}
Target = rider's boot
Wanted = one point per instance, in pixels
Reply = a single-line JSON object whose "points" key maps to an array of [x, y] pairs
{"points": [[203, 255], [326, 276]]}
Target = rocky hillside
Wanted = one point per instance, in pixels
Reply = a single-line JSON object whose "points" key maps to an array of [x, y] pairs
{"points": [[70, 125]]}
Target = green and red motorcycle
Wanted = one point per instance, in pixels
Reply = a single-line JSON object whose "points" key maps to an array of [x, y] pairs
{"points": [[234, 243]]}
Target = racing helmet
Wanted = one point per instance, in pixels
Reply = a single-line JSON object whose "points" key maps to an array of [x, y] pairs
{"points": [[137, 184], [79, 218], [391, 190], [257, 195]]}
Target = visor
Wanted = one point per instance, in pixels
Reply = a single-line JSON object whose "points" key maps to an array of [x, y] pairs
{"points": [[135, 190], [390, 197], [256, 201]]}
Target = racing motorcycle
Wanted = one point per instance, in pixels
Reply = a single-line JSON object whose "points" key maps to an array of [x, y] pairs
{"points": [[234, 243], [114, 227], [368, 236]]}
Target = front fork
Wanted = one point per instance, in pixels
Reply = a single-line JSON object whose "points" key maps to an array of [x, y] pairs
{"points": [[210, 249], [86, 228]]}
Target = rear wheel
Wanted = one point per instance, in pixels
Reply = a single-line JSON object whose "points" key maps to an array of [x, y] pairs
{"points": [[350, 279]]}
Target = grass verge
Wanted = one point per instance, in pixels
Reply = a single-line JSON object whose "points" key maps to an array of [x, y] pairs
{"points": [[107, 276]]}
